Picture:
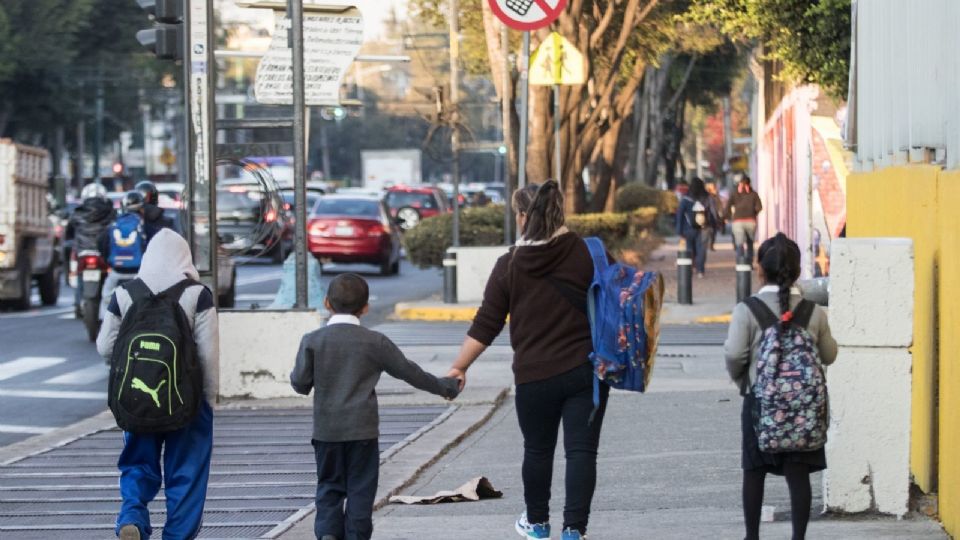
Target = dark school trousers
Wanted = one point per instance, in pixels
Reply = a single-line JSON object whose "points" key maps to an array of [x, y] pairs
{"points": [[541, 406], [346, 471]]}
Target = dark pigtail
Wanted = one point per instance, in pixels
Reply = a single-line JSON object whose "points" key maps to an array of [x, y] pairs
{"points": [[545, 212], [780, 259]]}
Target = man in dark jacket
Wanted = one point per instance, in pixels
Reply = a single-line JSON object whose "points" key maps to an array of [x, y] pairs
{"points": [[742, 210], [153, 217], [88, 222]]}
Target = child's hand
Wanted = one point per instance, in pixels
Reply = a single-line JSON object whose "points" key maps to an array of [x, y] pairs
{"points": [[451, 388], [460, 375]]}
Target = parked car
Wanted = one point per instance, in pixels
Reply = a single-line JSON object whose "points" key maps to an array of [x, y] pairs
{"points": [[354, 229], [172, 195], [254, 222], [412, 204]]}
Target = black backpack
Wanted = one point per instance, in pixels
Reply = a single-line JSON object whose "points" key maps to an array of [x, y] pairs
{"points": [[156, 383]]}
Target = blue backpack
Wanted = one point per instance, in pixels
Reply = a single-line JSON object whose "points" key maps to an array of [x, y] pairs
{"points": [[127, 242], [623, 305]]}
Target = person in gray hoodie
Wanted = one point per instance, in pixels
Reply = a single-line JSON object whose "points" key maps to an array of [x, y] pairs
{"points": [[186, 452]]}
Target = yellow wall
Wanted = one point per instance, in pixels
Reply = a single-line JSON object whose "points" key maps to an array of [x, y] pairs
{"points": [[902, 202], [949, 199]]}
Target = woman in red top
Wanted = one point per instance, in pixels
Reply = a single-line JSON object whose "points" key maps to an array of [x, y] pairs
{"points": [[540, 284]]}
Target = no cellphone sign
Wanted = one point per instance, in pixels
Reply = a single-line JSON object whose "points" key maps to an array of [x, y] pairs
{"points": [[527, 14]]}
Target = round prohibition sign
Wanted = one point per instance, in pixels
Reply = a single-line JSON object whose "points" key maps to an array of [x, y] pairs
{"points": [[527, 14]]}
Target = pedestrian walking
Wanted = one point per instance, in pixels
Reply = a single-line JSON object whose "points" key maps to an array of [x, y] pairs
{"points": [[695, 221], [122, 245], [775, 351], [536, 284], [161, 332], [716, 209], [342, 363], [742, 211]]}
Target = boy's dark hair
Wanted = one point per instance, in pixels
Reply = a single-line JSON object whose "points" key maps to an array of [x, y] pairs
{"points": [[348, 293]]}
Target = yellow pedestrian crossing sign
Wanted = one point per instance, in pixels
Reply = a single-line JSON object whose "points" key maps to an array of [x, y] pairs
{"points": [[557, 61]]}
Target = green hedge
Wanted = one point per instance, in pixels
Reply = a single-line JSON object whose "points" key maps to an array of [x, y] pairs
{"points": [[428, 241], [636, 195]]}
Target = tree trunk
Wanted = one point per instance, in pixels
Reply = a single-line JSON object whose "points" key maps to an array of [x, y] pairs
{"points": [[538, 132]]}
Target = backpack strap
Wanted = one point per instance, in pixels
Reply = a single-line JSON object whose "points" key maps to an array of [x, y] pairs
{"points": [[176, 290], [137, 289], [803, 313], [576, 297], [761, 312], [598, 253]]}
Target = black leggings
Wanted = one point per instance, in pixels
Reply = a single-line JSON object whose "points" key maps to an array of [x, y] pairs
{"points": [[798, 482], [541, 405]]}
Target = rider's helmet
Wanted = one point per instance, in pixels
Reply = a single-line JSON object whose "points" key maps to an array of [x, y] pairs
{"points": [[93, 190], [132, 201], [149, 191]]}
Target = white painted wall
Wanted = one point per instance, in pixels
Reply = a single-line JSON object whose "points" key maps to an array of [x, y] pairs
{"points": [[871, 316], [258, 350], [474, 265]]}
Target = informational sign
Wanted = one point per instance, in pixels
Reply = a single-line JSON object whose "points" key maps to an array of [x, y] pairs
{"points": [[557, 61], [527, 14], [330, 41]]}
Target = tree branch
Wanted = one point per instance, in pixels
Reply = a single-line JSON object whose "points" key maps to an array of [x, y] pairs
{"points": [[683, 83]]}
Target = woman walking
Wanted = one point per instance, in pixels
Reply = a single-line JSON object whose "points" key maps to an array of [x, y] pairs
{"points": [[541, 284], [695, 223], [779, 261]]}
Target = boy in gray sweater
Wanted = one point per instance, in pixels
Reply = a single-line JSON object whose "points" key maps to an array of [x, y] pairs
{"points": [[342, 363]]}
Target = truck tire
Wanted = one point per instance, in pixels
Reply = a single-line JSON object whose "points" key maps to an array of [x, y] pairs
{"points": [[49, 284], [22, 303]]}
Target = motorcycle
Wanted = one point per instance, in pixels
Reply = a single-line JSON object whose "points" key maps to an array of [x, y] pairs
{"points": [[92, 272]]}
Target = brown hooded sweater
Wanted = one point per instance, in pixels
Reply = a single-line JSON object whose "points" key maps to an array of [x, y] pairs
{"points": [[548, 334]]}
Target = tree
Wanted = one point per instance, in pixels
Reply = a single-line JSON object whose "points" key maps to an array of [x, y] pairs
{"points": [[810, 38]]}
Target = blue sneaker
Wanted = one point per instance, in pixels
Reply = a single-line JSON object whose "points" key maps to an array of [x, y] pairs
{"points": [[526, 529], [572, 534]]}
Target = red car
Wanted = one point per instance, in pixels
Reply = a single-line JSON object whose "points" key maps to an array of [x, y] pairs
{"points": [[412, 204], [354, 229]]}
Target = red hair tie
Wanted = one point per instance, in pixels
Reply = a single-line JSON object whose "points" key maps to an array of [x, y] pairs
{"points": [[787, 317]]}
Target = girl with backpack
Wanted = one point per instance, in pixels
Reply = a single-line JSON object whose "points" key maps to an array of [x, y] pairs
{"points": [[695, 223], [538, 284], [779, 341]]}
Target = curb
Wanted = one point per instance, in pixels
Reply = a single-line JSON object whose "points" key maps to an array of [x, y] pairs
{"points": [[714, 319], [39, 444], [434, 313]]}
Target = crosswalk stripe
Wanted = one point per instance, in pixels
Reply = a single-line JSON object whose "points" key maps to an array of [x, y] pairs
{"points": [[26, 364], [87, 375], [52, 394], [29, 430]]}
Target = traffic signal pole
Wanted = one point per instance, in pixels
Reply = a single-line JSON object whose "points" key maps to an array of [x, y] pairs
{"points": [[295, 13]]}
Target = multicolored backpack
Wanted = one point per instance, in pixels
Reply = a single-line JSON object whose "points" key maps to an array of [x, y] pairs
{"points": [[623, 305], [792, 413]]}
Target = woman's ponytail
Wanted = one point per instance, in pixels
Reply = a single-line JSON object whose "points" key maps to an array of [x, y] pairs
{"points": [[544, 212]]}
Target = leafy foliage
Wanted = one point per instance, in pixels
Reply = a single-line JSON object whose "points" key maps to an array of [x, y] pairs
{"points": [[635, 196], [811, 38]]}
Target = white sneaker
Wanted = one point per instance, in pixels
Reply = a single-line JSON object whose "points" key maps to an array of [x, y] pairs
{"points": [[537, 531], [129, 532]]}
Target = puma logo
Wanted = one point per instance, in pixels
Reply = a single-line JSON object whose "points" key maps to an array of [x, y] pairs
{"points": [[149, 345], [137, 384]]}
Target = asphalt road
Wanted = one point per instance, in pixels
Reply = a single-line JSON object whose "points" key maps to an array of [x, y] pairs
{"points": [[51, 375]]}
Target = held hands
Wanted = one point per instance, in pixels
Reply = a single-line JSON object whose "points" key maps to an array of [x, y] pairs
{"points": [[460, 375]]}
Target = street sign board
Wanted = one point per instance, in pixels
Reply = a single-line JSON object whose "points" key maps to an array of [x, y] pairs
{"points": [[331, 42], [527, 14], [557, 61]]}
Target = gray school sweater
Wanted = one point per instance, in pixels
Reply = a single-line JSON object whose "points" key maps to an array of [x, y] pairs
{"points": [[342, 364]]}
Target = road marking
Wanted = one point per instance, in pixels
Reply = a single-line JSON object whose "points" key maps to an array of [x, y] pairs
{"points": [[30, 430], [274, 276], [87, 375], [26, 364], [52, 394], [255, 297], [45, 312]]}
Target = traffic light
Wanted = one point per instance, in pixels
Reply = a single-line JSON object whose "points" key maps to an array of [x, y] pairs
{"points": [[165, 39]]}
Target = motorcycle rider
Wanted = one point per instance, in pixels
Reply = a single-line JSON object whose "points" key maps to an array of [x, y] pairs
{"points": [[122, 246], [153, 218], [88, 222]]}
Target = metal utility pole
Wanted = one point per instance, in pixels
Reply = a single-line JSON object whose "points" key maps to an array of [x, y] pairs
{"points": [[507, 100], [98, 136], [524, 93], [295, 13], [454, 114]]}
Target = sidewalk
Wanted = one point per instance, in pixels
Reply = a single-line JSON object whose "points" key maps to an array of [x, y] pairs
{"points": [[668, 469]]}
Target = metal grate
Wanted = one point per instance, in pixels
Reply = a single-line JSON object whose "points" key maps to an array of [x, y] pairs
{"points": [[262, 473]]}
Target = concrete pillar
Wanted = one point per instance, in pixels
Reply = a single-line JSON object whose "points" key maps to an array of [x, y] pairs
{"points": [[474, 265], [871, 316]]}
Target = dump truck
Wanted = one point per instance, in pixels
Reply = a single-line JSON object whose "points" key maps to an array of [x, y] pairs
{"points": [[29, 244]]}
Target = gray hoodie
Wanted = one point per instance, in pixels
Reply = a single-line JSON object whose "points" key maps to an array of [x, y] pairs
{"points": [[166, 262]]}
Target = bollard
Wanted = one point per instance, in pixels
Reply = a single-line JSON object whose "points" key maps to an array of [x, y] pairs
{"points": [[684, 276], [744, 287], [450, 277]]}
